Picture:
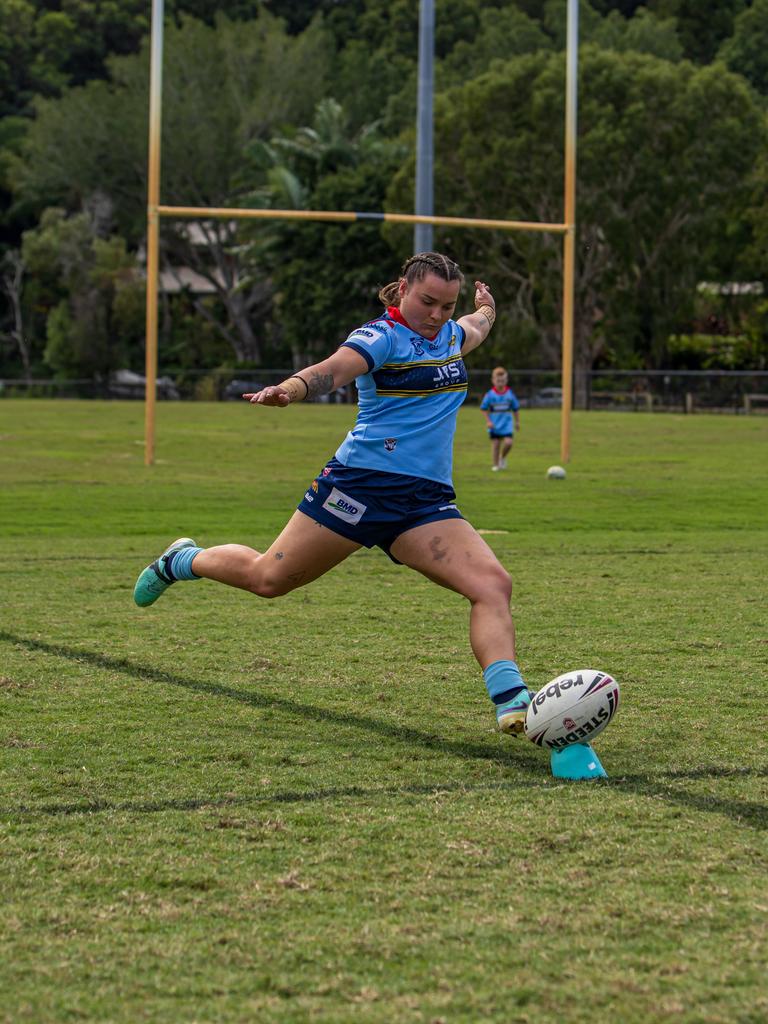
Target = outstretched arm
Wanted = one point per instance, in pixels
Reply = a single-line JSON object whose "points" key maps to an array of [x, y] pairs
{"points": [[319, 379], [477, 325]]}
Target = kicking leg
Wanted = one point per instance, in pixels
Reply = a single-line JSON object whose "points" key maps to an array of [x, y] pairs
{"points": [[304, 551]]}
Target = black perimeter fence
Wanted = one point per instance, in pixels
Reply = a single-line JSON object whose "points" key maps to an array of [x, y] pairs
{"points": [[687, 391]]}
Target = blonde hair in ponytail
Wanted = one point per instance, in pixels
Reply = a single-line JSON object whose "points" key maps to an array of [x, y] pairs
{"points": [[390, 294], [416, 268]]}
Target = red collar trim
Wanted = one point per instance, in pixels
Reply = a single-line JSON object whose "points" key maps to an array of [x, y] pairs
{"points": [[393, 312], [502, 392]]}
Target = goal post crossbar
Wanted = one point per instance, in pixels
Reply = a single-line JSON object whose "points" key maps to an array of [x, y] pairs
{"points": [[344, 216]]}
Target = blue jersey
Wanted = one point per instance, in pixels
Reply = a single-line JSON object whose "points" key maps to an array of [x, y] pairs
{"points": [[500, 405], [408, 400]]}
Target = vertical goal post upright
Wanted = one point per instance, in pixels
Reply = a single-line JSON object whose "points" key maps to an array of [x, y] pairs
{"points": [[153, 226], [569, 237], [156, 210]]}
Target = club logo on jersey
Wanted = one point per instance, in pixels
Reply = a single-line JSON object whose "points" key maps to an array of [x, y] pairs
{"points": [[418, 345], [390, 443], [314, 486], [421, 377], [340, 504], [326, 471], [448, 374]]}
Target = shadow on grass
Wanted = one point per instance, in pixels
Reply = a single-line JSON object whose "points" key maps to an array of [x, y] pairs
{"points": [[525, 757], [664, 786], [661, 785], [268, 798]]}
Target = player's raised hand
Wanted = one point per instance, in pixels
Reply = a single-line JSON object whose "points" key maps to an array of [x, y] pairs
{"points": [[483, 296], [274, 395]]}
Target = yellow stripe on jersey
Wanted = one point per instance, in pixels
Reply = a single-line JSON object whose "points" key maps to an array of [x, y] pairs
{"points": [[420, 394], [420, 362]]}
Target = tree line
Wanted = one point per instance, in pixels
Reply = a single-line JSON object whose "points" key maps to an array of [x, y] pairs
{"points": [[311, 105]]}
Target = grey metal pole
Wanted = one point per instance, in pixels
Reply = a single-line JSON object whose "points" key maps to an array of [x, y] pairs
{"points": [[569, 239], [153, 226], [423, 233]]}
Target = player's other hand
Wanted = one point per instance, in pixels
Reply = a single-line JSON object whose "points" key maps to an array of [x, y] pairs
{"points": [[269, 396], [483, 295]]}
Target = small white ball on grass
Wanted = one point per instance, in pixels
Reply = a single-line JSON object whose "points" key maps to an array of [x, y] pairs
{"points": [[556, 473]]}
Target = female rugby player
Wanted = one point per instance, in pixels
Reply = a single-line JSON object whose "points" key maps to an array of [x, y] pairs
{"points": [[389, 483]]}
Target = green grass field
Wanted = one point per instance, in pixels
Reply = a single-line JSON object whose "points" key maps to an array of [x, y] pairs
{"points": [[222, 809]]}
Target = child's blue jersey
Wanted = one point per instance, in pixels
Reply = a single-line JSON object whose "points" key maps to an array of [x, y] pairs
{"points": [[500, 405], [408, 400]]}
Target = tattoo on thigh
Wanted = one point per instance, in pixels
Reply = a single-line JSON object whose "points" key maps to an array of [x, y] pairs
{"points": [[437, 553]]}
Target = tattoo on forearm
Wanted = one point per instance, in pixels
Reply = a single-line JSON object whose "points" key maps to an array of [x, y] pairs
{"points": [[319, 384]]}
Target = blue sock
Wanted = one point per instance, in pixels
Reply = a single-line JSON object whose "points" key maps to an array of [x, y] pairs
{"points": [[503, 681], [179, 565]]}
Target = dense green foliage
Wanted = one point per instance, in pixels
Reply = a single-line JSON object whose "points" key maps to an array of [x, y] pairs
{"points": [[656, 179], [312, 105], [233, 810], [746, 51]]}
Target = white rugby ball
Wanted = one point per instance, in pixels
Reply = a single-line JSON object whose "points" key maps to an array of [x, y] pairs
{"points": [[572, 708], [556, 473]]}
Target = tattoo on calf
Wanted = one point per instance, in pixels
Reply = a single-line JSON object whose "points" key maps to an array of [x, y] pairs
{"points": [[319, 384]]}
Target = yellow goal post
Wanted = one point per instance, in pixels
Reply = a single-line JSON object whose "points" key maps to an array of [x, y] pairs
{"points": [[155, 210]]}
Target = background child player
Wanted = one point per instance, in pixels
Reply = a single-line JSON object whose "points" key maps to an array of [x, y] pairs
{"points": [[500, 404]]}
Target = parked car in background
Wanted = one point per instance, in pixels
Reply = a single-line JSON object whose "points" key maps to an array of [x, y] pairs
{"points": [[127, 384], [546, 398]]}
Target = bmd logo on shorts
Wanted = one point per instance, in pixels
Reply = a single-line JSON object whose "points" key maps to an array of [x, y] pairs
{"points": [[346, 508]]}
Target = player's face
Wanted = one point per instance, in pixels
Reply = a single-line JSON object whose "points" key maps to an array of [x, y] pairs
{"points": [[500, 380], [429, 303]]}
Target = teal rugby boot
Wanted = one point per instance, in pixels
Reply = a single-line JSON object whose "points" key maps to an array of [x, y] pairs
{"points": [[577, 762], [510, 717], [155, 579]]}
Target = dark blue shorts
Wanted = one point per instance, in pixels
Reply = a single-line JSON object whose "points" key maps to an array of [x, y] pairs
{"points": [[494, 436], [374, 508]]}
